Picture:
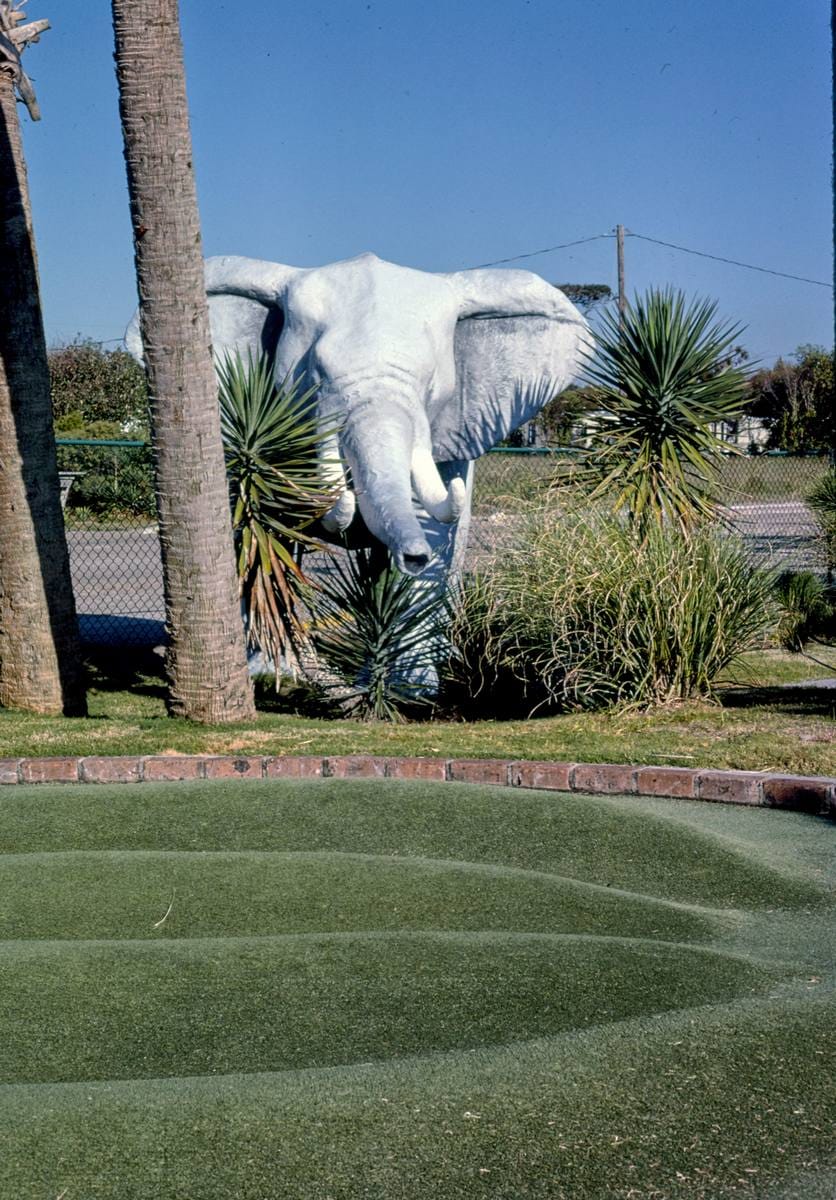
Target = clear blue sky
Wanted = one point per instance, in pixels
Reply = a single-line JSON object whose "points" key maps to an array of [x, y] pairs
{"points": [[444, 134]]}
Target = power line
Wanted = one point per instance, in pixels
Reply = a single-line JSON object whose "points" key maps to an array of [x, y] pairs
{"points": [[597, 237], [533, 253], [733, 261]]}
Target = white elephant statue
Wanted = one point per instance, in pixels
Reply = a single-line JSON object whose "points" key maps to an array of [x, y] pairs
{"points": [[425, 373]]}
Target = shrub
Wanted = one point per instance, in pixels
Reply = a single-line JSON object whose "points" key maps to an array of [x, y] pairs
{"points": [[381, 633], [822, 500], [587, 613], [112, 480], [272, 439], [806, 610]]}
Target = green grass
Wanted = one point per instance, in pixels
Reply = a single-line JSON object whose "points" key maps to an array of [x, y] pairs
{"points": [[758, 726], [343, 989], [503, 480]]}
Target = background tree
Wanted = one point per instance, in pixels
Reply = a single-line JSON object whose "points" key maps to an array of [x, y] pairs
{"points": [[794, 399], [40, 658], [206, 660], [90, 385], [586, 296]]}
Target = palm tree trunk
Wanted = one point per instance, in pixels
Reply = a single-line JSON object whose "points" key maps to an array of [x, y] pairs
{"points": [[40, 659], [207, 666]]}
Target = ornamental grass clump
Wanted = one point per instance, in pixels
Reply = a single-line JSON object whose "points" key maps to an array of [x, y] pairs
{"points": [[591, 613]]}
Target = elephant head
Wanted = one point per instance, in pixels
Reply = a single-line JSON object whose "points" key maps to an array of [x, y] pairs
{"points": [[417, 370]]}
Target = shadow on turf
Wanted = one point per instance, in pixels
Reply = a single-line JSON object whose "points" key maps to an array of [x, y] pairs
{"points": [[130, 669], [140, 670], [794, 701]]}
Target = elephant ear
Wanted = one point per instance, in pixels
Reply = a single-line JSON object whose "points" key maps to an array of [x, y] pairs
{"points": [[246, 303], [246, 306], [518, 343]]}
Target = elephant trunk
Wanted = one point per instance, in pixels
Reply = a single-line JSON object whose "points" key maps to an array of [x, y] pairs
{"points": [[377, 443]]}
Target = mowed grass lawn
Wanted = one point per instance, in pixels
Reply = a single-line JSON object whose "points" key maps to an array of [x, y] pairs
{"points": [[344, 988], [755, 723]]}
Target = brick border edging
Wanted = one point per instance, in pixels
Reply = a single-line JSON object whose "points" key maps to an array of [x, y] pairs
{"points": [[802, 793]]}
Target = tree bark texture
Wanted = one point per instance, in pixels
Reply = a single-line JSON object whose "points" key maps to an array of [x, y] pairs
{"points": [[40, 658], [207, 666]]}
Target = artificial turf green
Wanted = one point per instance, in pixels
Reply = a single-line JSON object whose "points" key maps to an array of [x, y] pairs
{"points": [[349, 988]]}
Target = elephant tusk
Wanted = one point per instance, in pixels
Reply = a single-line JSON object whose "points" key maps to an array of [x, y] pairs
{"points": [[340, 515], [442, 503]]}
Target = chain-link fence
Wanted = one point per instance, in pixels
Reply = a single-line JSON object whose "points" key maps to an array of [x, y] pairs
{"points": [[763, 497], [115, 552], [111, 523]]}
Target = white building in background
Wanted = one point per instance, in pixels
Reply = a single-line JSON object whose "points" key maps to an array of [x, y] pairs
{"points": [[746, 433]]}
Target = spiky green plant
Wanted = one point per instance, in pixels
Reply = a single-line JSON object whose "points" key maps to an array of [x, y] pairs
{"points": [[662, 381], [272, 440], [806, 611], [380, 632], [822, 500]]}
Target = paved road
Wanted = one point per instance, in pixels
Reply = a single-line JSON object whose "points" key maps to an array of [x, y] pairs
{"points": [[782, 533], [118, 582]]}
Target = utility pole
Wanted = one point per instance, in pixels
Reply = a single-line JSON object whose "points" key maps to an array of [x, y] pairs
{"points": [[622, 296]]}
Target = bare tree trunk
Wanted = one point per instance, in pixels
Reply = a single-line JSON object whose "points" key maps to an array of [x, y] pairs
{"points": [[207, 665], [40, 658]]}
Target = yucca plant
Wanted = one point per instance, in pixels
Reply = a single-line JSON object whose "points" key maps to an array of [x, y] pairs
{"points": [[272, 439], [380, 633], [806, 610], [822, 500], [662, 382]]}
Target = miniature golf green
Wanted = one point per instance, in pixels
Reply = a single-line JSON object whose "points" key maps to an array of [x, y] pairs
{"points": [[344, 988]]}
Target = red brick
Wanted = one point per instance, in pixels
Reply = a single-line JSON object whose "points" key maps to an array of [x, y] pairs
{"points": [[9, 769], [479, 770], [228, 766], [110, 770], [730, 787], [606, 778], [347, 766], [666, 781], [552, 775], [171, 767], [416, 768], [804, 793], [49, 770], [293, 766]]}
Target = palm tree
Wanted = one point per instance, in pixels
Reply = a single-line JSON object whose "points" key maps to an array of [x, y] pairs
{"points": [[663, 381], [206, 662], [40, 660]]}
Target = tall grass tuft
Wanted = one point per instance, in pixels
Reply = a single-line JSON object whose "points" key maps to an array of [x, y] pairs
{"points": [[589, 613]]}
